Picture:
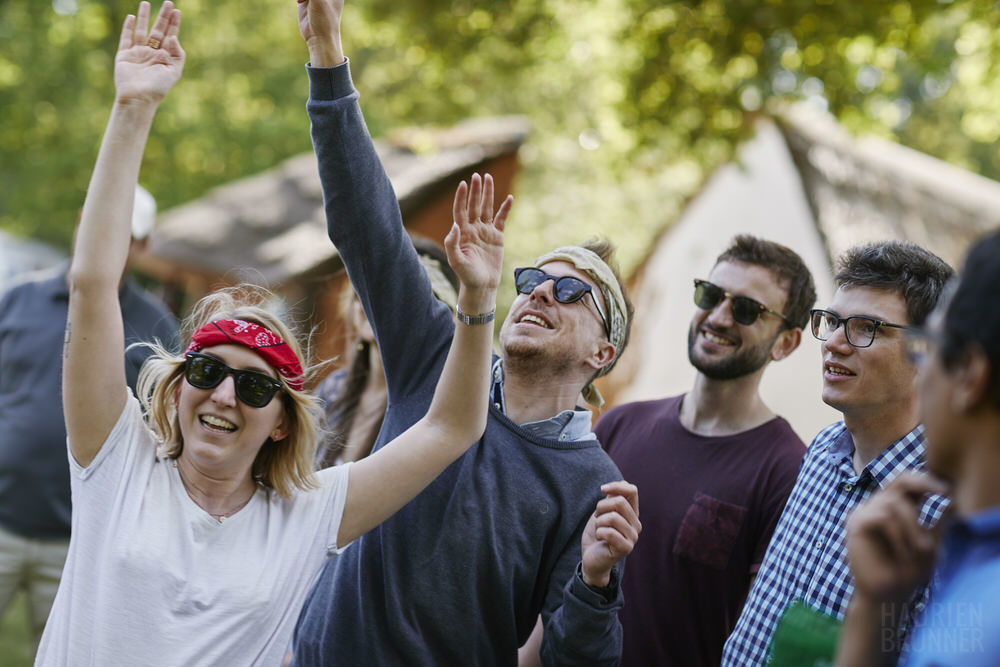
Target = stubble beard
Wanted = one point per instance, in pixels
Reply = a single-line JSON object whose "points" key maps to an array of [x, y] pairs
{"points": [[740, 364]]}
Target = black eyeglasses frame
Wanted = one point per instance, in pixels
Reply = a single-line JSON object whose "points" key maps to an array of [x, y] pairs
{"points": [[814, 324], [581, 288]]}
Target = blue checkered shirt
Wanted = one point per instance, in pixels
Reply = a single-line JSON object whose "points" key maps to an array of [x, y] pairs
{"points": [[807, 557]]}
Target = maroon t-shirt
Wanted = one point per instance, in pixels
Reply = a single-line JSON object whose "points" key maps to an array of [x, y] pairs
{"points": [[708, 506]]}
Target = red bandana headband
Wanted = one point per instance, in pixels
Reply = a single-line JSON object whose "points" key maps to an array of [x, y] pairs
{"points": [[260, 339]]}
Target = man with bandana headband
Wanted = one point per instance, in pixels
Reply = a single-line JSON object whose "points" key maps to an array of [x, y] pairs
{"points": [[715, 464], [460, 575]]}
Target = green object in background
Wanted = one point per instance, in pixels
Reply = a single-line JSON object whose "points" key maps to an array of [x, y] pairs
{"points": [[804, 637]]}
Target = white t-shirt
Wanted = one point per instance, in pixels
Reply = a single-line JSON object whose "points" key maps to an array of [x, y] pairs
{"points": [[152, 579]]}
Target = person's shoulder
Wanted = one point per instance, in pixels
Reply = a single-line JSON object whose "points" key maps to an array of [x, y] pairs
{"points": [[637, 408], [780, 435], [33, 284]]}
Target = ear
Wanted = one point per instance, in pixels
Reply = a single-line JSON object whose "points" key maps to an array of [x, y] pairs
{"points": [[602, 356], [280, 430], [972, 381], [786, 343]]}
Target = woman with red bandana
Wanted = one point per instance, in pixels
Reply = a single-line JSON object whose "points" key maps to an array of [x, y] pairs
{"points": [[198, 529]]}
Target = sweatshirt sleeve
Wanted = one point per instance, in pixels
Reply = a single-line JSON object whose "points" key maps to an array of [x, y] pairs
{"points": [[412, 328]]}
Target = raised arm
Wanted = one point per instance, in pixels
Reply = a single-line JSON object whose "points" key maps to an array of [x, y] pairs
{"points": [[385, 481], [148, 64]]}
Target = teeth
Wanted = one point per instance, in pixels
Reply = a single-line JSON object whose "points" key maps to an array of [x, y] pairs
{"points": [[535, 320], [837, 371], [217, 423], [712, 338]]}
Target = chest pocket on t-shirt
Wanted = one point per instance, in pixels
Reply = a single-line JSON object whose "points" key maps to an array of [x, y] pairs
{"points": [[708, 531]]}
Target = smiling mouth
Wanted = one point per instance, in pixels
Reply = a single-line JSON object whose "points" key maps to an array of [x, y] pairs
{"points": [[534, 319], [217, 424], [834, 370], [717, 339]]}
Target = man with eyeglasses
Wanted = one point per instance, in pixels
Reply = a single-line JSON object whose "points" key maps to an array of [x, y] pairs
{"points": [[883, 289], [715, 465], [534, 518], [890, 552]]}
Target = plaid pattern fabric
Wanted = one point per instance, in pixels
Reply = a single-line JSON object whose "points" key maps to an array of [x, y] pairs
{"points": [[807, 557]]}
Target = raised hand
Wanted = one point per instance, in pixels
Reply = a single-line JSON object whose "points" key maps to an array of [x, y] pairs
{"points": [[149, 60], [889, 552], [475, 242], [611, 532], [319, 25]]}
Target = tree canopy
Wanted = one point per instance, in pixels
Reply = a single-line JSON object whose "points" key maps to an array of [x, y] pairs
{"points": [[632, 102]]}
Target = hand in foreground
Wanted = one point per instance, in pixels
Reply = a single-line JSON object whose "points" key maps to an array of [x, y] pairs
{"points": [[475, 242], [889, 552], [611, 532], [319, 25], [149, 61]]}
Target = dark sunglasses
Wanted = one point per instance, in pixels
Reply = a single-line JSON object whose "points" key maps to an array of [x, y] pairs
{"points": [[254, 388], [566, 289], [746, 311]]}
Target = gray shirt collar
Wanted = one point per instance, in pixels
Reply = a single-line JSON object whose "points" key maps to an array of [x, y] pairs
{"points": [[567, 426]]}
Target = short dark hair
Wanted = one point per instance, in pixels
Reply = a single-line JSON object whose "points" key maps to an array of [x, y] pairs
{"points": [[916, 273], [784, 263], [605, 249], [972, 318]]}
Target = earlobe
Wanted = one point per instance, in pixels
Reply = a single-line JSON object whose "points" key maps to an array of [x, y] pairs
{"points": [[280, 431]]}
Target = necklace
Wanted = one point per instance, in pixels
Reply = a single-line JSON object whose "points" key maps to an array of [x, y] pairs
{"points": [[218, 517]]}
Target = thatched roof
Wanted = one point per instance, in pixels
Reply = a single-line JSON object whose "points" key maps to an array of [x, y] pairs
{"points": [[869, 189], [274, 221]]}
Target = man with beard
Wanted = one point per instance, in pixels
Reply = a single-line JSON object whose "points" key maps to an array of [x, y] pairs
{"points": [[883, 289], [715, 465], [532, 519]]}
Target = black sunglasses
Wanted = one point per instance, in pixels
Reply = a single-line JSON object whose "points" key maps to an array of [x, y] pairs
{"points": [[254, 388], [566, 289], [859, 330], [745, 310]]}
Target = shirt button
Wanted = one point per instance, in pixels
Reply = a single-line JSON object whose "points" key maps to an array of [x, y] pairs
{"points": [[562, 437], [818, 544], [848, 486], [496, 405]]}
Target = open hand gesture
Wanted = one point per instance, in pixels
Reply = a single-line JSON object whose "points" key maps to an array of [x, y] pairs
{"points": [[149, 61], [611, 532], [475, 242]]}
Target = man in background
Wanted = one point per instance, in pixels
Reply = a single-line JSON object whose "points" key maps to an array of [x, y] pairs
{"points": [[883, 289], [35, 508], [715, 465]]}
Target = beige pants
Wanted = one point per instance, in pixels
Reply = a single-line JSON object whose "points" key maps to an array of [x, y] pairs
{"points": [[33, 566]]}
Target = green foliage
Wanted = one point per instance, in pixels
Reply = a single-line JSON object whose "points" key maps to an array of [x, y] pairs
{"points": [[632, 102]]}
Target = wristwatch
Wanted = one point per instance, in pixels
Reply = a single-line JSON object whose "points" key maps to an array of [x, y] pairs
{"points": [[472, 320]]}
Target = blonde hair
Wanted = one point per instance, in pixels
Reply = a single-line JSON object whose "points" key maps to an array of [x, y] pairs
{"points": [[280, 465]]}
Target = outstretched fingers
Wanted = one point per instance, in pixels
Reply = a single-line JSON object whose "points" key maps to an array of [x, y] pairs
{"points": [[486, 203], [460, 207], [141, 34], [500, 219], [128, 29], [165, 21]]}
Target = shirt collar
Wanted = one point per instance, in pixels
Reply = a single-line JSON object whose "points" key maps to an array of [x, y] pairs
{"points": [[907, 453], [567, 426]]}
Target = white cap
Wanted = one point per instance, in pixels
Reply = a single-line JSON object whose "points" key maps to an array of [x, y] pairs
{"points": [[143, 213]]}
